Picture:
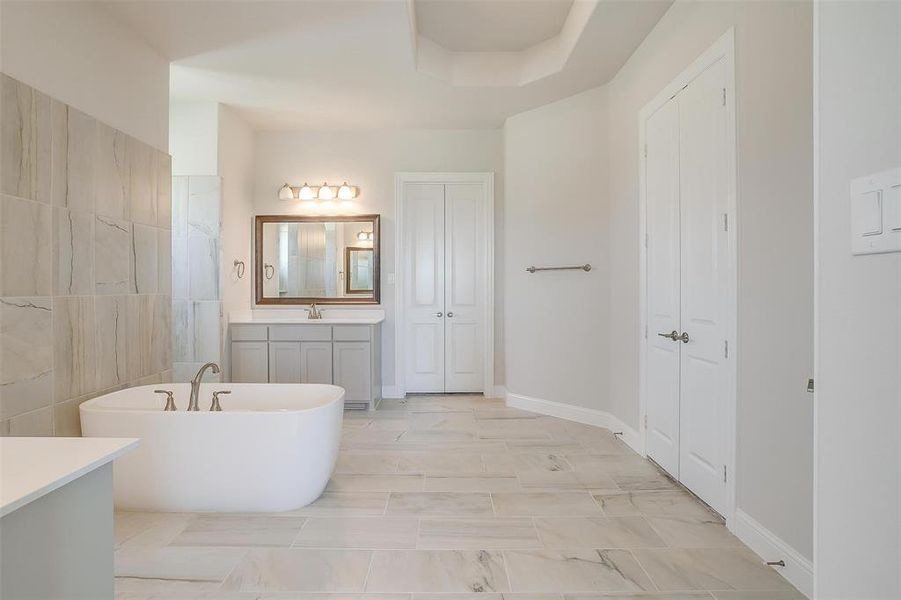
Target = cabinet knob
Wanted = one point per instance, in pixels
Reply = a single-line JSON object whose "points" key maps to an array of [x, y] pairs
{"points": [[450, 315], [439, 314]]}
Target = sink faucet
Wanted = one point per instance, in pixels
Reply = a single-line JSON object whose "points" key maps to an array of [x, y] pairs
{"points": [[314, 312], [195, 384]]}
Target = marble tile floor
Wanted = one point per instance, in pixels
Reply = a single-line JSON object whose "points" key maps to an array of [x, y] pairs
{"points": [[453, 498]]}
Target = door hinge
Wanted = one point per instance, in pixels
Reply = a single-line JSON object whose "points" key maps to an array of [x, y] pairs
{"points": [[725, 221], [724, 96], [645, 332], [645, 150], [646, 421], [725, 476], [645, 240], [726, 348]]}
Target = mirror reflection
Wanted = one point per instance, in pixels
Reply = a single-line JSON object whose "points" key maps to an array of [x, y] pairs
{"points": [[310, 259]]}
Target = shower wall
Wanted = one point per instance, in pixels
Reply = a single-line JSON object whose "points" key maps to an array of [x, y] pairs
{"points": [[196, 290]]}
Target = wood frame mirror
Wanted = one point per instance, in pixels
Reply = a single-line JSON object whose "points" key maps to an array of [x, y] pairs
{"points": [[265, 269]]}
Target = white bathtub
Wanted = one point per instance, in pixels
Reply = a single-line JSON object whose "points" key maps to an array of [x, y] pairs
{"points": [[272, 448]]}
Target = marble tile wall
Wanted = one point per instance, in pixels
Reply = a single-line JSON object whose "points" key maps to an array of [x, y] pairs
{"points": [[196, 300], [85, 262]]}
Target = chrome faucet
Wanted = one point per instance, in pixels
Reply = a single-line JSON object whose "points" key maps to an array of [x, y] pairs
{"points": [[314, 312], [195, 384]]}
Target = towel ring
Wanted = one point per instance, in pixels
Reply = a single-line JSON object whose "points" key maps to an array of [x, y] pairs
{"points": [[239, 267], [266, 271]]}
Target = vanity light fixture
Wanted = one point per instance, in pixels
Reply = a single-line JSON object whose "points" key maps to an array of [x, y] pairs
{"points": [[347, 192], [325, 192], [306, 193], [285, 193]]}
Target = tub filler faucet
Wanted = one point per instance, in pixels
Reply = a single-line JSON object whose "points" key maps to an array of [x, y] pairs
{"points": [[195, 384]]}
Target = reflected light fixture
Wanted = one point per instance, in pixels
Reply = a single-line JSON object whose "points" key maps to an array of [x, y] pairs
{"points": [[306, 193], [364, 236], [325, 192], [285, 193]]}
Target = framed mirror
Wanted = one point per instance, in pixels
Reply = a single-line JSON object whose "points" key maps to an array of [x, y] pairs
{"points": [[327, 260]]}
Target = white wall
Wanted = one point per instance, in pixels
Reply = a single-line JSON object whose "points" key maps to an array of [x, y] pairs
{"points": [[369, 160], [773, 62], [194, 138], [77, 53], [556, 213], [236, 166], [858, 322], [563, 144]]}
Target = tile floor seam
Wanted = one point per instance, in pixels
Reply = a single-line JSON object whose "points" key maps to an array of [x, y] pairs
{"points": [[368, 571], [234, 568]]}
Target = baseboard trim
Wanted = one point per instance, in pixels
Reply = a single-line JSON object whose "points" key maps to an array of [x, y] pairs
{"points": [[579, 414], [770, 547], [391, 391]]}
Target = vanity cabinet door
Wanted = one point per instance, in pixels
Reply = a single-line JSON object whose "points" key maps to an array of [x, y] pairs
{"points": [[250, 362], [316, 362], [284, 362], [352, 370]]}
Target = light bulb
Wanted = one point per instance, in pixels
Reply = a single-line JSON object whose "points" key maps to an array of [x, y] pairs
{"points": [[346, 192], [285, 193], [325, 192], [306, 193]]}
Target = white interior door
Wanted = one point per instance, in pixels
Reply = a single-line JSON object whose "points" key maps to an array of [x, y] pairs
{"points": [[424, 286], [704, 287], [464, 287], [662, 195], [688, 274]]}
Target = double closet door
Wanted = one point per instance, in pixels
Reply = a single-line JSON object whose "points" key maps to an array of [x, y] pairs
{"points": [[444, 250], [688, 304]]}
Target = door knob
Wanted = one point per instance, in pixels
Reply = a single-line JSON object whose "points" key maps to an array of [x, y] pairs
{"points": [[682, 338], [439, 314], [673, 335], [450, 315]]}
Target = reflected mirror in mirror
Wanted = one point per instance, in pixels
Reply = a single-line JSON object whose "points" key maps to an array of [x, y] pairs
{"points": [[330, 260]]}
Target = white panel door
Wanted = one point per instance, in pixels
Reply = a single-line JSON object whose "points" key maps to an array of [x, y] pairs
{"points": [[662, 196], [424, 286], [464, 287], [704, 286]]}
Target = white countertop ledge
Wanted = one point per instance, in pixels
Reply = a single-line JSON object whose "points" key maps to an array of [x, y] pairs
{"points": [[329, 317], [31, 467]]}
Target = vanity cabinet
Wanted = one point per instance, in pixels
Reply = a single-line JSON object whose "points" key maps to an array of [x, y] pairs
{"points": [[249, 361], [343, 355]]}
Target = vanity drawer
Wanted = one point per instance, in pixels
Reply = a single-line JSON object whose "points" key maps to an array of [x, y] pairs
{"points": [[248, 333], [300, 333], [352, 333]]}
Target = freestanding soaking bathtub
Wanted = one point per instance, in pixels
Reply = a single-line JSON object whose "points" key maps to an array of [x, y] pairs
{"points": [[272, 447]]}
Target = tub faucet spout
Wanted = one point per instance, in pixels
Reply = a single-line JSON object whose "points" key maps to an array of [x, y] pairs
{"points": [[195, 384]]}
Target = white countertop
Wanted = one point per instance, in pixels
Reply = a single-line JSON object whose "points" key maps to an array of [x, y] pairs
{"points": [[31, 467], [329, 317]]}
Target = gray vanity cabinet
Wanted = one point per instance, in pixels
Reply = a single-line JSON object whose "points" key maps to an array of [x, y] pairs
{"points": [[352, 365], [344, 355], [249, 362], [284, 362], [316, 362]]}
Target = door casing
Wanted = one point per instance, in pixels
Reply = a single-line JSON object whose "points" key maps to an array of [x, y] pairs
{"points": [[486, 179], [723, 49]]}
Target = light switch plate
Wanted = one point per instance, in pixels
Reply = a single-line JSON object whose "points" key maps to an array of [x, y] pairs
{"points": [[876, 213]]}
